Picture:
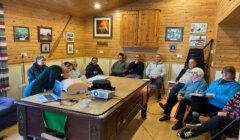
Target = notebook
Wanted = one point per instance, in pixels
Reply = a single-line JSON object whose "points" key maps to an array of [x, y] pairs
{"points": [[55, 95]]}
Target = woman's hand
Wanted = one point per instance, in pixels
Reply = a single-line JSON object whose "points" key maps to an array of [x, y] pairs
{"points": [[210, 95], [180, 97]]}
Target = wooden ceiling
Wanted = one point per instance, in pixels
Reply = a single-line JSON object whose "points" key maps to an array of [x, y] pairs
{"points": [[79, 8]]}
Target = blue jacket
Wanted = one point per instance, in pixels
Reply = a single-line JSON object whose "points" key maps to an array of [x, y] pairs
{"points": [[223, 91], [191, 87], [34, 72]]}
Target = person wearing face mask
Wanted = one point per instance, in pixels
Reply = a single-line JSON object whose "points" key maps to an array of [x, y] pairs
{"points": [[37, 68], [135, 68], [216, 96], [197, 83], [93, 68], [45, 81]]}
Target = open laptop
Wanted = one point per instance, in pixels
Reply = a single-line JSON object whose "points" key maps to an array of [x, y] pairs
{"points": [[55, 95]]}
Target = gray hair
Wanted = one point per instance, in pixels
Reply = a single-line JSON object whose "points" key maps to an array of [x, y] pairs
{"points": [[198, 71]]}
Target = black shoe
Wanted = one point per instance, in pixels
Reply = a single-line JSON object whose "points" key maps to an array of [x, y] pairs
{"points": [[164, 118], [163, 106], [194, 122], [177, 126], [186, 133]]}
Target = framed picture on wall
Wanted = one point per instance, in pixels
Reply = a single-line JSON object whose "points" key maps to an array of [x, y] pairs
{"points": [[21, 34], [45, 47], [174, 34], [70, 48], [198, 28], [102, 27], [173, 47], [70, 36], [44, 34], [197, 40]]}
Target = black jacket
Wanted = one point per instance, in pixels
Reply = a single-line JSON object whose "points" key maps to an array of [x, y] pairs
{"points": [[181, 74], [93, 70], [136, 68]]}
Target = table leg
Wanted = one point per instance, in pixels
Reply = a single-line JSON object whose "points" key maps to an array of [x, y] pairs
{"points": [[144, 112]]}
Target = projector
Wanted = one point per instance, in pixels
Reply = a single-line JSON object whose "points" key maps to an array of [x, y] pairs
{"points": [[102, 94]]}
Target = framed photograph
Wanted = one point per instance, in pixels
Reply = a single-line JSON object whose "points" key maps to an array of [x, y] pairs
{"points": [[174, 34], [70, 36], [173, 47], [21, 34], [198, 28], [70, 48], [102, 27], [45, 47], [44, 34], [197, 41]]}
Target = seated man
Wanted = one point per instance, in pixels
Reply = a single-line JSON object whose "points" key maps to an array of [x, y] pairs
{"points": [[228, 118], [156, 71], [183, 97], [36, 69], [216, 96], [135, 68], [93, 68], [119, 68], [183, 77]]}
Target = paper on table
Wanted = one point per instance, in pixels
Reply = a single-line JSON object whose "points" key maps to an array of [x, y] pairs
{"points": [[97, 77]]}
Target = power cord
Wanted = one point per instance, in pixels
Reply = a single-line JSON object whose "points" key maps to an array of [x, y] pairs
{"points": [[224, 129]]}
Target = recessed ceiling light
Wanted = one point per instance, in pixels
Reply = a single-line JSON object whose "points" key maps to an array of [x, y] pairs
{"points": [[97, 5]]}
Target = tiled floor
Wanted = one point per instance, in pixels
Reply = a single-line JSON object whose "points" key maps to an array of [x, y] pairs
{"points": [[138, 129]]}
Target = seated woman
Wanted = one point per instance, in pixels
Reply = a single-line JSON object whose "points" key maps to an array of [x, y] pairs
{"points": [[37, 68], [93, 68], [46, 80], [183, 97], [74, 73], [228, 118], [216, 96], [135, 68]]}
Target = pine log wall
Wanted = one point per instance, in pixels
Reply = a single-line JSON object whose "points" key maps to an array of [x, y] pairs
{"points": [[174, 13], [16, 15]]}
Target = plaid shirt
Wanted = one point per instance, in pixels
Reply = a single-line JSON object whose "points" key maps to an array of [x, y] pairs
{"points": [[233, 107]]}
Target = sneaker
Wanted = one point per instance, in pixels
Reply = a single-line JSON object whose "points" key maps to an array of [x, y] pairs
{"points": [[194, 122], [163, 106], [164, 118], [186, 133], [178, 125]]}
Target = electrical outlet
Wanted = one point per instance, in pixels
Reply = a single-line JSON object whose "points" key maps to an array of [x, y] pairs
{"points": [[180, 56], [24, 54]]}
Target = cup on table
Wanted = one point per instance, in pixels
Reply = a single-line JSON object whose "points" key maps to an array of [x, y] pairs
{"points": [[86, 102]]}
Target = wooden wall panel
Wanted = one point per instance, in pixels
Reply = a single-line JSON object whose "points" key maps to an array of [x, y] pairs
{"points": [[16, 15], [180, 13], [227, 50]]}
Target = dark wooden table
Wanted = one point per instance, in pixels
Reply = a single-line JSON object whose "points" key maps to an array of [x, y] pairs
{"points": [[102, 120]]}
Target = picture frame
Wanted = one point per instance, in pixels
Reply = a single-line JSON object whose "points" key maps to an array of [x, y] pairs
{"points": [[174, 34], [102, 27], [45, 47], [198, 28], [70, 48], [44, 34], [21, 34], [69, 36], [173, 47], [197, 40]]}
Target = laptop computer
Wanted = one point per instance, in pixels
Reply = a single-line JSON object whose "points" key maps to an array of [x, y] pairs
{"points": [[55, 95]]}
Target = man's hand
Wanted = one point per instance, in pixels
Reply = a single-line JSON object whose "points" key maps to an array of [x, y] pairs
{"points": [[222, 114], [210, 95]]}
